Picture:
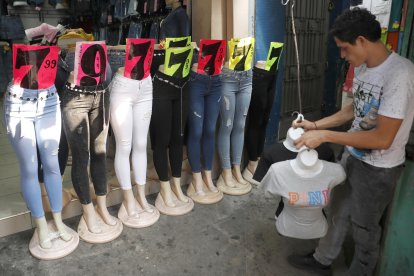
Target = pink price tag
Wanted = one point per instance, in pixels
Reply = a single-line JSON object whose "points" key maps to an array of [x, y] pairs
{"points": [[90, 63], [138, 58], [211, 57], [34, 67]]}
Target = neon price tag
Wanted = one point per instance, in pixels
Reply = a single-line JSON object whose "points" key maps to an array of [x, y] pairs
{"points": [[241, 53], [90, 63], [138, 58], [178, 61], [273, 57], [177, 42], [34, 67], [211, 57]]}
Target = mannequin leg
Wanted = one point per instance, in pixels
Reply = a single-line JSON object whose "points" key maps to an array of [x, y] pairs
{"points": [[228, 178], [103, 210], [142, 199], [209, 181], [237, 174], [197, 182], [176, 187], [252, 165], [43, 232], [64, 235], [129, 202], [91, 220], [165, 192]]}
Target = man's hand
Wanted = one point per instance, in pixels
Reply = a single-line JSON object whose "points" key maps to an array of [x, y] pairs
{"points": [[311, 139], [305, 124]]}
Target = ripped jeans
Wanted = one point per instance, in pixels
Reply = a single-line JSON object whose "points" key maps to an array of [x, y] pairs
{"points": [[205, 97], [33, 121], [236, 92]]}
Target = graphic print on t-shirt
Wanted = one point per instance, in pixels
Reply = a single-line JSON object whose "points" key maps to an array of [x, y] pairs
{"points": [[367, 98], [314, 198]]}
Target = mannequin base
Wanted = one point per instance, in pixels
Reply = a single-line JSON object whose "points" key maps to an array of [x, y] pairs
{"points": [[180, 208], [248, 176], [109, 232], [141, 219], [240, 189], [209, 197], [59, 249]]}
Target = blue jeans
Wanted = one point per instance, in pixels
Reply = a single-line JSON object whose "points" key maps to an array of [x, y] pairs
{"points": [[135, 30], [116, 59], [205, 96], [33, 121], [236, 90]]}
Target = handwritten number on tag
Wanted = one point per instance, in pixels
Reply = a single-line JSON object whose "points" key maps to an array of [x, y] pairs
{"points": [[23, 58], [140, 50], [88, 63]]}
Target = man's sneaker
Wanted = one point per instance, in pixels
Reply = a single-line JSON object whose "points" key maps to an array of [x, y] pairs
{"points": [[308, 263]]}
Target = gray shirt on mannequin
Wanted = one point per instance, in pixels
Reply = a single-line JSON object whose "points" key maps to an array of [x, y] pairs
{"points": [[304, 198]]}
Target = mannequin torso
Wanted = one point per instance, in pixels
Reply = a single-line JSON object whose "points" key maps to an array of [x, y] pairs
{"points": [[261, 64]]}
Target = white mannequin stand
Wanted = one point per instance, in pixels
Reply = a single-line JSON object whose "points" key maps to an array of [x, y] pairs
{"points": [[307, 163], [136, 212], [96, 224], [171, 199], [202, 189], [252, 165], [231, 181]]}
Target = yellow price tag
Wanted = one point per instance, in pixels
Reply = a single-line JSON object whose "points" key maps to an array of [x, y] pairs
{"points": [[173, 42], [241, 53], [178, 61], [273, 57]]}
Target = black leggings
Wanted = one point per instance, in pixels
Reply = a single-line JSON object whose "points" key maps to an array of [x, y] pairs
{"points": [[278, 153], [168, 120], [263, 94]]}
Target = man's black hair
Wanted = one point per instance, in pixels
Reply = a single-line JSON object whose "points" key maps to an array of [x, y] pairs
{"points": [[356, 22]]}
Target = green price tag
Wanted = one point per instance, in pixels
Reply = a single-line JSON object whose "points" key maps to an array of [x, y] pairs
{"points": [[178, 61], [273, 57], [241, 53], [177, 42]]}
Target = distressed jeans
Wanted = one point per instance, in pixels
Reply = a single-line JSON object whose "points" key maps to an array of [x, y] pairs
{"points": [[85, 118], [358, 205], [205, 97], [236, 91]]}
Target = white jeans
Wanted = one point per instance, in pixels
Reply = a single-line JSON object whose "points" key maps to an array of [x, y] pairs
{"points": [[130, 109]]}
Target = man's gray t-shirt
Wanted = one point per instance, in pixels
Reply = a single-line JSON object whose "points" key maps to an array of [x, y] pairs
{"points": [[303, 197], [387, 90]]}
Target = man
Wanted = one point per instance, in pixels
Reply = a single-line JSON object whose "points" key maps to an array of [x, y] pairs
{"points": [[382, 112]]}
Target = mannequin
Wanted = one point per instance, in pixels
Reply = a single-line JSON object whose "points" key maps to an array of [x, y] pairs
{"points": [[131, 106], [307, 164], [204, 110], [236, 92], [304, 184], [38, 126], [96, 225], [170, 96]]}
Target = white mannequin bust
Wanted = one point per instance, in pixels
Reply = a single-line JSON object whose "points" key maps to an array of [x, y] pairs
{"points": [[307, 163], [261, 64]]}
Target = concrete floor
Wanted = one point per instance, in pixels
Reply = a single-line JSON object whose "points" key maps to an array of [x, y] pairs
{"points": [[236, 236]]}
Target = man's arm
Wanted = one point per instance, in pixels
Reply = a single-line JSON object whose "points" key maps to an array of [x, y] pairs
{"points": [[341, 117], [379, 138]]}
